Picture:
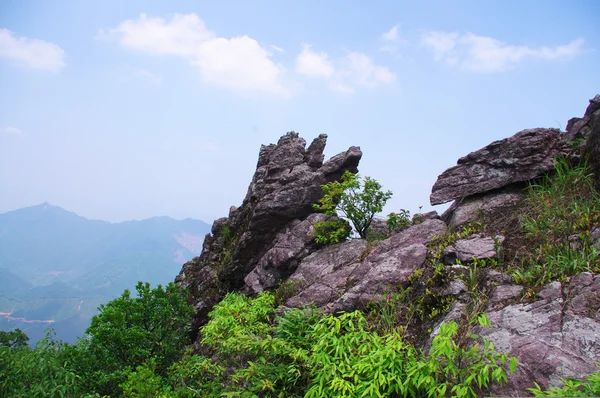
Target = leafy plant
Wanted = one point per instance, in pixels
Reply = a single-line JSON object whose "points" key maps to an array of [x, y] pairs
{"points": [[399, 220], [590, 387], [356, 200], [331, 232]]}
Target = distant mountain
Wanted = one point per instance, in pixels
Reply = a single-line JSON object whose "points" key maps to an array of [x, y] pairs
{"points": [[57, 267]]}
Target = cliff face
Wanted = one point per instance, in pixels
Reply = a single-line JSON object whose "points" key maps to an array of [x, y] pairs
{"points": [[554, 331]]}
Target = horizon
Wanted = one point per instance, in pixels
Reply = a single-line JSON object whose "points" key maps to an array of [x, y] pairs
{"points": [[122, 112]]}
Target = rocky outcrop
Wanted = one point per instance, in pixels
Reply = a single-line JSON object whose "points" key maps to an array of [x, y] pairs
{"points": [[286, 183], [580, 127], [522, 157], [476, 246], [349, 275], [269, 240], [555, 337]]}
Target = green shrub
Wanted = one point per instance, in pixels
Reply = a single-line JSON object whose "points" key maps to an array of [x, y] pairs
{"points": [[399, 220], [590, 387], [331, 232], [356, 200]]}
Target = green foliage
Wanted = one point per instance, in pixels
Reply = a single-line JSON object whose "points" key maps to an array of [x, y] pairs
{"points": [[559, 214], [355, 200], [348, 360], [13, 339], [38, 372], [331, 232], [590, 387], [129, 331], [399, 220]]}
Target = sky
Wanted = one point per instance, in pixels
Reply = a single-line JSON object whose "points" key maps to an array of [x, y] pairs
{"points": [[121, 110]]}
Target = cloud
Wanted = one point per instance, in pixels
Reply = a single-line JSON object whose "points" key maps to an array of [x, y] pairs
{"points": [[391, 35], [276, 48], [313, 64], [354, 70], [150, 76], [33, 53], [240, 63], [12, 131], [486, 54]]}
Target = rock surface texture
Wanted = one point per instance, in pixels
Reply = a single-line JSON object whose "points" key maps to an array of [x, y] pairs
{"points": [[522, 157], [268, 240]]}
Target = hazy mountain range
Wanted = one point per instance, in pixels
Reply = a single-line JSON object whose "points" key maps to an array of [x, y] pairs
{"points": [[56, 267]]}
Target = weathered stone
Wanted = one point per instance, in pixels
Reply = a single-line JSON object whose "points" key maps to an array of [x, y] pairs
{"points": [[347, 276], [591, 147], [524, 156], [579, 127], [487, 207], [286, 183], [501, 295], [378, 228], [291, 245], [552, 338], [454, 288], [475, 246]]}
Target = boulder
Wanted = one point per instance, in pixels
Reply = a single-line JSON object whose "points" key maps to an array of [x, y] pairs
{"points": [[475, 246], [286, 183], [580, 127], [553, 338], [489, 207], [522, 157], [349, 275]]}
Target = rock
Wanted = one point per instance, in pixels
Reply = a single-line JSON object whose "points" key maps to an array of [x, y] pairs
{"points": [[454, 288], [420, 217], [501, 295], [579, 127], [291, 245], [286, 183], [457, 311], [488, 207], [591, 147], [553, 338], [378, 229], [522, 157], [347, 276], [475, 246]]}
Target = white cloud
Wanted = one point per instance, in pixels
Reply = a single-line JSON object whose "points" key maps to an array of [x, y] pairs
{"points": [[486, 54], [313, 64], [276, 48], [240, 63], [12, 130], [356, 69], [34, 53], [391, 35]]}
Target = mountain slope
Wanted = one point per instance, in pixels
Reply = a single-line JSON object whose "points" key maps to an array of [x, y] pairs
{"points": [[57, 267]]}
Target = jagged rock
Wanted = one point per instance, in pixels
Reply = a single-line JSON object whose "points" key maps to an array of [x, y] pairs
{"points": [[347, 276], [286, 183], [552, 338], [580, 127], [524, 156], [475, 246], [454, 288], [488, 207], [291, 245], [420, 217], [591, 148], [378, 228]]}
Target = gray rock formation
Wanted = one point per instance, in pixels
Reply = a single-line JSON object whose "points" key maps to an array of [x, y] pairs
{"points": [[475, 246], [556, 337], [580, 127], [522, 157], [285, 185], [349, 275], [487, 207]]}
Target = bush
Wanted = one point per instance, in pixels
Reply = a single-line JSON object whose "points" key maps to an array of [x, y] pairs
{"points": [[355, 200], [590, 387], [331, 232]]}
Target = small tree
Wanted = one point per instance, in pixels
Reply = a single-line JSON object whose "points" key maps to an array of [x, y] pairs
{"points": [[356, 200]]}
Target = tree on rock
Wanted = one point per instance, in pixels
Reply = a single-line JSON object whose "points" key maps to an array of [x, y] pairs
{"points": [[356, 200]]}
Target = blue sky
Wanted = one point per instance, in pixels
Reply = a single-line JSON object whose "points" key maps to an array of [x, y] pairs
{"points": [[124, 110]]}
